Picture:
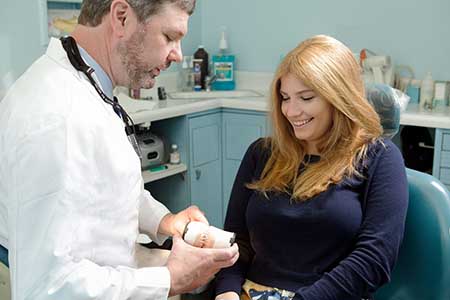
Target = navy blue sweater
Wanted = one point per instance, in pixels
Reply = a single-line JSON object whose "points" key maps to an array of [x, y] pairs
{"points": [[342, 244]]}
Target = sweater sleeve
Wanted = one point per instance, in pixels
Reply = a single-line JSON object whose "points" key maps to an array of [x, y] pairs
{"points": [[370, 264], [232, 278]]}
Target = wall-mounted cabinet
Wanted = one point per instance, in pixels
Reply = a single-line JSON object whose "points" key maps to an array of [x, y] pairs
{"points": [[60, 17]]}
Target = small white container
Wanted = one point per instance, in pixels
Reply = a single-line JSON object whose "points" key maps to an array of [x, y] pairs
{"points": [[201, 235], [174, 155], [441, 92], [427, 91]]}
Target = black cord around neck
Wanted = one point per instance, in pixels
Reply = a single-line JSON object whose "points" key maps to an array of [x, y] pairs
{"points": [[73, 53]]}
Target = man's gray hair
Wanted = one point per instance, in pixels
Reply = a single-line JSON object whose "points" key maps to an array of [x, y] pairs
{"points": [[93, 11]]}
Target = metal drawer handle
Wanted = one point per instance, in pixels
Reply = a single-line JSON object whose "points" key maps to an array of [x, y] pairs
{"points": [[422, 145], [198, 173]]}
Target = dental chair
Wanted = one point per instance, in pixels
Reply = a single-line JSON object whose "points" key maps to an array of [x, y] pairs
{"points": [[423, 268], [5, 289]]}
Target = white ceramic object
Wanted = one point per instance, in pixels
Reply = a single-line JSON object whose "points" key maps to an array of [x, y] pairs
{"points": [[200, 235]]}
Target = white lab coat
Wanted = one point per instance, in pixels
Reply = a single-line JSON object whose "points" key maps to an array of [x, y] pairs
{"points": [[71, 192]]}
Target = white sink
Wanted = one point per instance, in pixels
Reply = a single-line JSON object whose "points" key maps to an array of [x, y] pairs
{"points": [[215, 94]]}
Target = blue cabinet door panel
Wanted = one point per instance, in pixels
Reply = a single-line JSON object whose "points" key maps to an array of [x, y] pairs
{"points": [[206, 191], [205, 169], [238, 133], [240, 129], [205, 148]]}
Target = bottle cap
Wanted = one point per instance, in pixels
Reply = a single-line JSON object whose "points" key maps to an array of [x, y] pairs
{"points": [[223, 44]]}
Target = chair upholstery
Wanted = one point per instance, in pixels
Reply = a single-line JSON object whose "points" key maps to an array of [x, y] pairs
{"points": [[423, 268], [4, 256], [5, 289]]}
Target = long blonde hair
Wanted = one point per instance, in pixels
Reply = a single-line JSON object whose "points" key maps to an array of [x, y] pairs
{"points": [[328, 67]]}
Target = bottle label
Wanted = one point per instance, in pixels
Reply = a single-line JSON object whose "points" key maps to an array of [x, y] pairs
{"points": [[197, 71], [174, 158], [223, 71]]}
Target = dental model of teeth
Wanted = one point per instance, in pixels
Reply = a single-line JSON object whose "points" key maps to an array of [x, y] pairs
{"points": [[201, 235]]}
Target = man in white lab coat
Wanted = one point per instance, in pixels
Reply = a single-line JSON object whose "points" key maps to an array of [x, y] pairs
{"points": [[72, 200]]}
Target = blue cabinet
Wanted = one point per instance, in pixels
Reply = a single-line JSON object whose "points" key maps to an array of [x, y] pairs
{"points": [[218, 141], [441, 160], [172, 191], [239, 130], [205, 164], [212, 145]]}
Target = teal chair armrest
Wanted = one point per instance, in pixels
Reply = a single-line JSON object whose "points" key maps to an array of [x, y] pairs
{"points": [[423, 268]]}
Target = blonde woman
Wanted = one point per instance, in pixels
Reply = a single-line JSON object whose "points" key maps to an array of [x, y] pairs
{"points": [[319, 208]]}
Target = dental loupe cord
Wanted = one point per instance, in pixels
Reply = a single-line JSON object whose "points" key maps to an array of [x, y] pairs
{"points": [[70, 46]]}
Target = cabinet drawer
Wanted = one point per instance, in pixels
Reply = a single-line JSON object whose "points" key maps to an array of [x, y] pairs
{"points": [[446, 141]]}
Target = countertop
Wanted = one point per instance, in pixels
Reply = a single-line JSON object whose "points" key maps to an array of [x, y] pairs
{"points": [[438, 117], [153, 110], [147, 111]]}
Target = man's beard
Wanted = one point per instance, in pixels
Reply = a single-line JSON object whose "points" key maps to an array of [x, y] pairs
{"points": [[130, 51]]}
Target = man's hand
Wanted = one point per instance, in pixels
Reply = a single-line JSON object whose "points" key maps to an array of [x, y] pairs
{"points": [[174, 224], [191, 267]]}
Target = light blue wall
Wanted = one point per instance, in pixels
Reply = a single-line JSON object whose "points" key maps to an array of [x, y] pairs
{"points": [[21, 44], [20, 41], [191, 41], [193, 38], [413, 32]]}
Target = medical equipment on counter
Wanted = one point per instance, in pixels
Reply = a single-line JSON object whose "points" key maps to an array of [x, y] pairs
{"points": [[378, 69], [152, 148], [70, 46]]}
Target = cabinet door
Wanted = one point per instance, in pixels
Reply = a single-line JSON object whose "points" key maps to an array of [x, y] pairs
{"points": [[205, 170], [240, 129], [441, 160]]}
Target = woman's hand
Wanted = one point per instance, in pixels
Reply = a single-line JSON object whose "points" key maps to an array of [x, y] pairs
{"points": [[227, 296]]}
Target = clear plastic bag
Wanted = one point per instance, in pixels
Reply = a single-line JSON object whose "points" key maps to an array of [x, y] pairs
{"points": [[388, 103]]}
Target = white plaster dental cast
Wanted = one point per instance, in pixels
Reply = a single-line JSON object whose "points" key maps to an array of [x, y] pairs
{"points": [[201, 235]]}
